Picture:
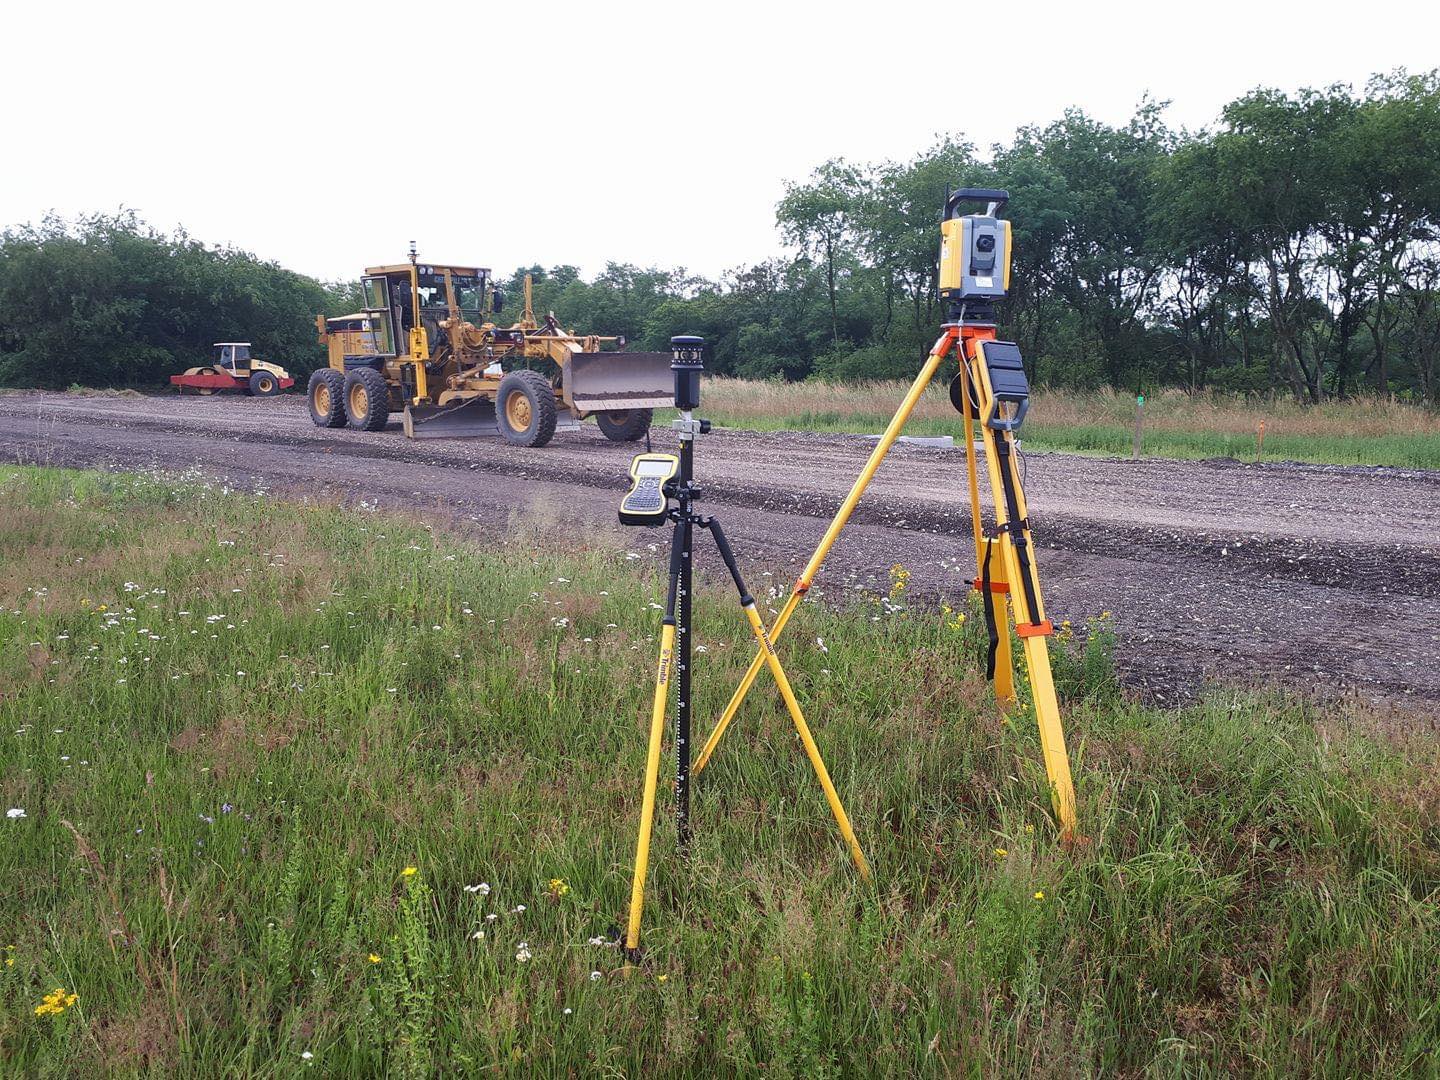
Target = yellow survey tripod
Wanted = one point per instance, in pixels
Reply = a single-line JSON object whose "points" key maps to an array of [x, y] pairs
{"points": [[992, 395], [658, 480]]}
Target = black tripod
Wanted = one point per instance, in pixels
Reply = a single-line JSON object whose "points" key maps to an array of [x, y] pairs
{"points": [[641, 507]]}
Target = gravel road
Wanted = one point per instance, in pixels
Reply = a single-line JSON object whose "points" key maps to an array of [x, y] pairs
{"points": [[1324, 579]]}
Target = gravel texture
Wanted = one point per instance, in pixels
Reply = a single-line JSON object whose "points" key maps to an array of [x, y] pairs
{"points": [[1323, 579]]}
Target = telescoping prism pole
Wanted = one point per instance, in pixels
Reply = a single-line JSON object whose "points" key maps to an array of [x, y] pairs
{"points": [[658, 479], [974, 272]]}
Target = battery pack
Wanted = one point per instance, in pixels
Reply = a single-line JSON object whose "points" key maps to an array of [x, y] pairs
{"points": [[1008, 385]]}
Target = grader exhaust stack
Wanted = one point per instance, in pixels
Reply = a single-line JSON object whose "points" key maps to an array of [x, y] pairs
{"points": [[426, 345]]}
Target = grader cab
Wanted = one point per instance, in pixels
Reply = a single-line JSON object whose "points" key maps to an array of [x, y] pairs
{"points": [[426, 345]]}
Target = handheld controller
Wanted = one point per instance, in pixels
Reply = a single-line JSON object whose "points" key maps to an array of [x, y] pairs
{"points": [[646, 503]]}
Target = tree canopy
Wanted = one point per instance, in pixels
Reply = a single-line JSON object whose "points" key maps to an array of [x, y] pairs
{"points": [[1295, 246]]}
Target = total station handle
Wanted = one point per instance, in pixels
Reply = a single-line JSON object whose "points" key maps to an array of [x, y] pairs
{"points": [[994, 198]]}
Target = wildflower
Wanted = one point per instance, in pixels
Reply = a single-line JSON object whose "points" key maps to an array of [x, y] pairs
{"points": [[569, 1011], [14, 813], [409, 871], [478, 935], [483, 888], [597, 941], [595, 976], [306, 1055], [226, 808], [558, 887], [899, 579], [374, 958], [662, 978], [522, 954], [1039, 894], [55, 1002], [1000, 853], [519, 909], [1029, 828], [820, 643]]}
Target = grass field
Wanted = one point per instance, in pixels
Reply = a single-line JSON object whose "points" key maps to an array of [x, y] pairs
{"points": [[1368, 431], [311, 791]]}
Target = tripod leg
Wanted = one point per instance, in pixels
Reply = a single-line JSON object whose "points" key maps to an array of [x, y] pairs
{"points": [[992, 591], [999, 616], [767, 651], [652, 759], [1016, 547], [938, 353]]}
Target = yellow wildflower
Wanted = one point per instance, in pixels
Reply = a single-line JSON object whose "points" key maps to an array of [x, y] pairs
{"points": [[661, 978], [1000, 853], [899, 578], [1040, 894], [1029, 828], [558, 887], [409, 871], [374, 958], [55, 1002]]}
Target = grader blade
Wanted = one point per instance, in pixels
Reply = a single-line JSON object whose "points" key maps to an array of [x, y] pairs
{"points": [[606, 381], [461, 420]]}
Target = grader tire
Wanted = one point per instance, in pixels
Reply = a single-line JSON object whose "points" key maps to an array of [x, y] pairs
{"points": [[624, 425], [327, 398], [525, 408], [367, 399]]}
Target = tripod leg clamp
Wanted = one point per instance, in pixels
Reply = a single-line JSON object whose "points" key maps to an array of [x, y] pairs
{"points": [[981, 586]]}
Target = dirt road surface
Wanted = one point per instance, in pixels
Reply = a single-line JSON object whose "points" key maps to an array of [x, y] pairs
{"points": [[1323, 579]]}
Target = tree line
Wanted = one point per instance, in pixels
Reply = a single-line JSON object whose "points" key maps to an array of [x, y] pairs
{"points": [[1294, 248]]}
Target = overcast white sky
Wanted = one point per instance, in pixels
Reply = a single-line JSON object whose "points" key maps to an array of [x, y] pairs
{"points": [[328, 135]]}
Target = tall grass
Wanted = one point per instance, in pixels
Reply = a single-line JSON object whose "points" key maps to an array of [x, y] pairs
{"points": [[234, 726], [1368, 431]]}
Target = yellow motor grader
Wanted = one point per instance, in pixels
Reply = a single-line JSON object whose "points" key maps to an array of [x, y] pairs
{"points": [[425, 345]]}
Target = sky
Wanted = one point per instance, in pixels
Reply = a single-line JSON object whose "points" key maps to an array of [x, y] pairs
{"points": [[326, 136]]}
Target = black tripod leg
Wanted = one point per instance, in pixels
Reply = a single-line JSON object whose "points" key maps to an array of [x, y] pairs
{"points": [[729, 556]]}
